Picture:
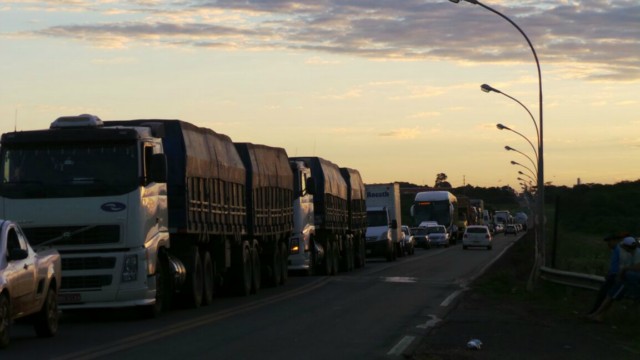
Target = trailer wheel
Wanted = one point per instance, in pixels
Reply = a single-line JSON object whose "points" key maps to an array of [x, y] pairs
{"points": [[46, 320], [328, 258], [208, 283], [243, 271], [284, 269], [5, 320], [336, 258], [360, 259], [256, 276], [192, 289]]}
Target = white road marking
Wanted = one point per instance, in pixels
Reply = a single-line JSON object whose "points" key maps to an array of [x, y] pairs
{"points": [[431, 323], [451, 297], [399, 279], [402, 345]]}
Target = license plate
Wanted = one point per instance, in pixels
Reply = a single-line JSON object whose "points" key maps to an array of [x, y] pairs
{"points": [[69, 298]]}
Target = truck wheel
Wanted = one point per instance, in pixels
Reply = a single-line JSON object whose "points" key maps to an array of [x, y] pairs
{"points": [[360, 253], [256, 276], [164, 290], [328, 258], [207, 278], [46, 320], [192, 289], [390, 250], [336, 259], [5, 321], [284, 270], [243, 271], [274, 266]]}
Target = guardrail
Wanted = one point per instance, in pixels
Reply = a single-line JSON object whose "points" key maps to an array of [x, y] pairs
{"points": [[585, 281]]}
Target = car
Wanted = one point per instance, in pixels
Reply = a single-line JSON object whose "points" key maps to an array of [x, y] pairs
{"points": [[408, 240], [29, 283], [499, 228], [477, 235], [510, 229], [438, 235], [421, 237]]}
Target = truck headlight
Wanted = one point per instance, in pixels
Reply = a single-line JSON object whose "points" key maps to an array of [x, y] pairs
{"points": [[130, 268]]}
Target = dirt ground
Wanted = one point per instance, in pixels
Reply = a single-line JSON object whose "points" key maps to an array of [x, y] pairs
{"points": [[514, 327]]}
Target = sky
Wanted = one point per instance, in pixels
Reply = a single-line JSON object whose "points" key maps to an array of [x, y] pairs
{"points": [[388, 87]]}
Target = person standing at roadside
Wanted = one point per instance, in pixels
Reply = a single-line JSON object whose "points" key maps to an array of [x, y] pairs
{"points": [[612, 242], [628, 276]]}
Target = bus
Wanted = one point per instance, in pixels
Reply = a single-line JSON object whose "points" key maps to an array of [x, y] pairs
{"points": [[438, 206]]}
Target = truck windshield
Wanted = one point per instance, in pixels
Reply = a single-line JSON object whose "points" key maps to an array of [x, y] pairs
{"points": [[68, 170], [377, 218]]}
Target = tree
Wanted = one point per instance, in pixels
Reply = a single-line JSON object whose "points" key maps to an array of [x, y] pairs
{"points": [[441, 182]]}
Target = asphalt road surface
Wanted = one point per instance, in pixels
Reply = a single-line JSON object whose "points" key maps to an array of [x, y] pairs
{"points": [[378, 312]]}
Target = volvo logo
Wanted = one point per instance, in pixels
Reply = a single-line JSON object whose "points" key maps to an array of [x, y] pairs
{"points": [[113, 206]]}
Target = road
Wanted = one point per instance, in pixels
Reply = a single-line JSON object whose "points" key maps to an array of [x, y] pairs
{"points": [[377, 312]]}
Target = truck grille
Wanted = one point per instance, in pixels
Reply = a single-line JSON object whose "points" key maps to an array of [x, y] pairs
{"points": [[84, 282], [73, 235], [89, 263]]}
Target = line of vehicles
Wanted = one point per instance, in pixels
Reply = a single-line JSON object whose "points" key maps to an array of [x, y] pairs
{"points": [[155, 213]]}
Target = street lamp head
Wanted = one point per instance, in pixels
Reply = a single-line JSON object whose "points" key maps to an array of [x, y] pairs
{"points": [[508, 148], [488, 88], [514, 163], [520, 172], [502, 127]]}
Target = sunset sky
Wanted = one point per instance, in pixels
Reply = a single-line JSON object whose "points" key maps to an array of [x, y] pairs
{"points": [[389, 87]]}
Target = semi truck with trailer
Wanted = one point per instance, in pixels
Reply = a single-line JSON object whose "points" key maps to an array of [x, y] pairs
{"points": [[384, 220], [142, 210], [332, 246], [357, 207]]}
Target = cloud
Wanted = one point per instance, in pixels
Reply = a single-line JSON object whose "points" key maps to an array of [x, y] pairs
{"points": [[603, 37], [402, 133]]}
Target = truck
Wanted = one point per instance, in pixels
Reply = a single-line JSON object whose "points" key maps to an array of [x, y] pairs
{"points": [[333, 244], [148, 212], [384, 220], [357, 219], [29, 283], [439, 206]]}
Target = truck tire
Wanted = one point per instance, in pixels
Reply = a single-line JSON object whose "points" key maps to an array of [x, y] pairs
{"points": [[360, 259], [242, 270], [284, 269], [336, 258], [328, 258], [192, 289], [5, 320], [46, 320], [164, 290], [208, 283], [274, 266], [256, 276]]}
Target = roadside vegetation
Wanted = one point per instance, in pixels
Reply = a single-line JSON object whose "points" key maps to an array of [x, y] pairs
{"points": [[578, 219]]}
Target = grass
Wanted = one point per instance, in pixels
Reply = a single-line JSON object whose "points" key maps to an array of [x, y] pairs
{"points": [[508, 278]]}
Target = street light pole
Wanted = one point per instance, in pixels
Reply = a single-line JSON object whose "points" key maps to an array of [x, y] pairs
{"points": [[502, 127], [540, 249], [517, 163], [487, 88]]}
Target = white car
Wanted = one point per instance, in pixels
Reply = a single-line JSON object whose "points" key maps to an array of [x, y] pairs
{"points": [[477, 235], [438, 235]]}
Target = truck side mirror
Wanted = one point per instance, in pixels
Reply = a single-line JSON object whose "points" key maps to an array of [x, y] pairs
{"points": [[158, 168], [394, 224]]}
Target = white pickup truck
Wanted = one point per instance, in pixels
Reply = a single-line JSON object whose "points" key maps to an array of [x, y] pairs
{"points": [[29, 283]]}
